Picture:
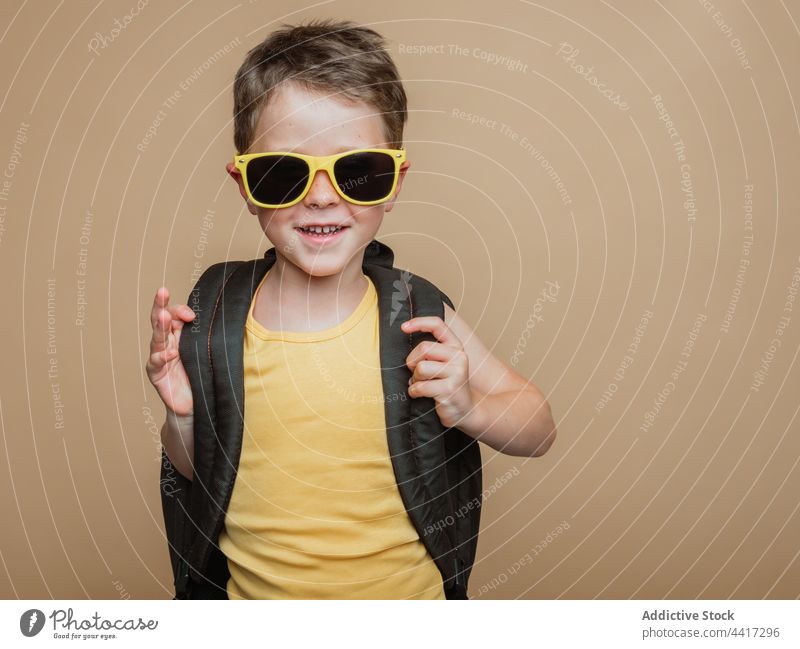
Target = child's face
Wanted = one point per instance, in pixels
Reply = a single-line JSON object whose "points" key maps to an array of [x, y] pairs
{"points": [[310, 123]]}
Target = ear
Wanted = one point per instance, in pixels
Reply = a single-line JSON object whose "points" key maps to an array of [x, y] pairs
{"points": [[402, 174], [237, 177]]}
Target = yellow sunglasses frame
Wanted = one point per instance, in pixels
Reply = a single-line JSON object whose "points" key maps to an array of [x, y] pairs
{"points": [[315, 163]]}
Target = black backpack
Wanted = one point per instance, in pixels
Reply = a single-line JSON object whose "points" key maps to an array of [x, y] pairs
{"points": [[438, 469]]}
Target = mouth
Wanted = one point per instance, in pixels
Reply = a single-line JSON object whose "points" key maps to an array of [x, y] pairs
{"points": [[322, 232]]}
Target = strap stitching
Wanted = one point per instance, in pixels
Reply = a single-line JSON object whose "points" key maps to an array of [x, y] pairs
{"points": [[214, 315]]}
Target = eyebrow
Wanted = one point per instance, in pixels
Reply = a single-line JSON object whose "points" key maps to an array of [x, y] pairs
{"points": [[339, 150]]}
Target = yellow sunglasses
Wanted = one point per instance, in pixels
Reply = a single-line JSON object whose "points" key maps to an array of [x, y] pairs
{"points": [[281, 178]]}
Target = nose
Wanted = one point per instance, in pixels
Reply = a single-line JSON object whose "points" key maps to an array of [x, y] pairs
{"points": [[322, 193]]}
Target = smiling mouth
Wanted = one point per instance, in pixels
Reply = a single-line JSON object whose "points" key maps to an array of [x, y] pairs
{"points": [[321, 232]]}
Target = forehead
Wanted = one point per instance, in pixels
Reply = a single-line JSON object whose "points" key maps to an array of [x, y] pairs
{"points": [[316, 122]]}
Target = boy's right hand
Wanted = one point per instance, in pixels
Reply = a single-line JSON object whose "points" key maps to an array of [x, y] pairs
{"points": [[164, 366]]}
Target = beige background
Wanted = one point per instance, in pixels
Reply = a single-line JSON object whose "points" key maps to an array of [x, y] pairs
{"points": [[702, 503]]}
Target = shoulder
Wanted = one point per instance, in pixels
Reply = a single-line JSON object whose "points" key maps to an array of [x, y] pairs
{"points": [[213, 276], [448, 303], [219, 269], [208, 284], [229, 265]]}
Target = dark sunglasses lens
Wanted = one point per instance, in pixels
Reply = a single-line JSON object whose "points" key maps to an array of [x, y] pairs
{"points": [[276, 179], [365, 176]]}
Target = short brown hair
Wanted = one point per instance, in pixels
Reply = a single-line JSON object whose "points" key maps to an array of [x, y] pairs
{"points": [[321, 55]]}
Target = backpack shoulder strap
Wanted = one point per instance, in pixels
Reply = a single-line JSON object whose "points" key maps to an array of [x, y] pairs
{"points": [[176, 490], [447, 300], [462, 456]]}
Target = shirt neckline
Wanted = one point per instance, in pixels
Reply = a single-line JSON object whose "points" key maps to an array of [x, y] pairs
{"points": [[256, 328]]}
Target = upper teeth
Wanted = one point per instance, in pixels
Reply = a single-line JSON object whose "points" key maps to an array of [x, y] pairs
{"points": [[322, 229]]}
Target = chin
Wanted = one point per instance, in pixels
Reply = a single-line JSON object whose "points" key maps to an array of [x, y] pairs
{"points": [[317, 266]]}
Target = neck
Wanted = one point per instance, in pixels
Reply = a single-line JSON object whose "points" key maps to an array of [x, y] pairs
{"points": [[291, 288]]}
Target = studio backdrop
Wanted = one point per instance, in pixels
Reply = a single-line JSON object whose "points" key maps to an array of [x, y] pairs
{"points": [[608, 192]]}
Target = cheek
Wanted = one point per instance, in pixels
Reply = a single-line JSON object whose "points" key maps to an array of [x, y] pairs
{"points": [[368, 217], [273, 220]]}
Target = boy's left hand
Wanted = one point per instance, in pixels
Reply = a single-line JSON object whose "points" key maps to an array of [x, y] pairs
{"points": [[440, 370]]}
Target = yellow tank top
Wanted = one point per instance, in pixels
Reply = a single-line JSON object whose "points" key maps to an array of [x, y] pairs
{"points": [[315, 511]]}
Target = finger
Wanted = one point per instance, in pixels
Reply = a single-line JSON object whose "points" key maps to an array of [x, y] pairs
{"points": [[177, 326], [172, 347], [161, 329], [162, 348], [430, 350], [167, 322], [436, 326], [160, 358], [181, 313], [430, 370], [160, 301], [186, 314], [432, 388]]}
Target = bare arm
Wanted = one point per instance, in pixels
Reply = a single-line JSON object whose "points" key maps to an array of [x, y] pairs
{"points": [[477, 392], [515, 422], [177, 437]]}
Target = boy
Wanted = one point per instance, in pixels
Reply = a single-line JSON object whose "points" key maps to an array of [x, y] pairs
{"points": [[316, 509]]}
